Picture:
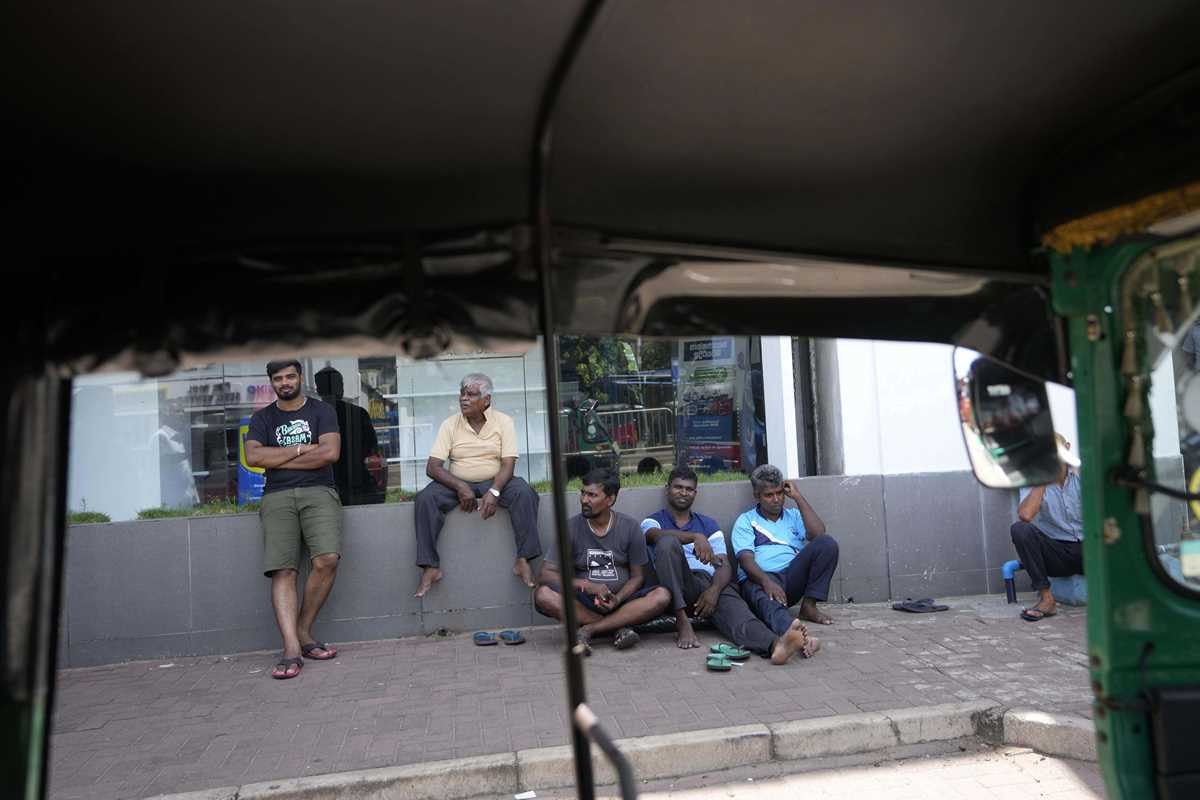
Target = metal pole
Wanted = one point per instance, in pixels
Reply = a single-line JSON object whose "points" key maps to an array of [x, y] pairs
{"points": [[540, 216]]}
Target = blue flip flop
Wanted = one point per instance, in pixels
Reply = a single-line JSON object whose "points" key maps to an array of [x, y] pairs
{"points": [[484, 638], [512, 637]]}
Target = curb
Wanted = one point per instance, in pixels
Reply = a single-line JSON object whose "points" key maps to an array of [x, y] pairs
{"points": [[672, 755]]}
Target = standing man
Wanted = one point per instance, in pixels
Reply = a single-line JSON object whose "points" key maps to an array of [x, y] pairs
{"points": [[785, 554], [1048, 535], [608, 554], [480, 444], [689, 559], [296, 439]]}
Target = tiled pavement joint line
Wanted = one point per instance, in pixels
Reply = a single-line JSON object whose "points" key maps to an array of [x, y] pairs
{"points": [[654, 757]]}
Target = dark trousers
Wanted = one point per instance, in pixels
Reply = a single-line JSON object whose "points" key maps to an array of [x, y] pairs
{"points": [[435, 500], [1045, 558], [808, 575], [732, 618]]}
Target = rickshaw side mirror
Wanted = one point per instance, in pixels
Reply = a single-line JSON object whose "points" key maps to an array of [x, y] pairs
{"points": [[1007, 424]]}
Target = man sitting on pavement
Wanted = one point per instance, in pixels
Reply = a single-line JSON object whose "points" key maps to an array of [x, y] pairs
{"points": [[608, 555], [1048, 536], [785, 554], [480, 444], [689, 559]]}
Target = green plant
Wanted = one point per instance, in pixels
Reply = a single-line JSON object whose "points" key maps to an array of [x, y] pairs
{"points": [[87, 517], [396, 495], [211, 508]]}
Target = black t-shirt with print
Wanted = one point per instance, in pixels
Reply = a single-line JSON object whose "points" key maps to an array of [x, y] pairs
{"points": [[605, 559], [274, 428]]}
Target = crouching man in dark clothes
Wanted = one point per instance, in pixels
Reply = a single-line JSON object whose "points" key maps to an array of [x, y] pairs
{"points": [[608, 554], [689, 556]]}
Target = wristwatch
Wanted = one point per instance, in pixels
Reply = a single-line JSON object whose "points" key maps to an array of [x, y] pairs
{"points": [[494, 491]]}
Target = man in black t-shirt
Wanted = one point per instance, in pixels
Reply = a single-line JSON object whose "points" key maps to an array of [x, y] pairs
{"points": [[296, 439], [609, 561]]}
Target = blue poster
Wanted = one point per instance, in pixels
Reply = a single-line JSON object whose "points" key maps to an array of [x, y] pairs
{"points": [[251, 480]]}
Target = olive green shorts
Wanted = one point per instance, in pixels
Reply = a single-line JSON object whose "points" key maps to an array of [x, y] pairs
{"points": [[311, 513]]}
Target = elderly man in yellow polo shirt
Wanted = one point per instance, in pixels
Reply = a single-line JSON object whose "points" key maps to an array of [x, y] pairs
{"points": [[471, 466]]}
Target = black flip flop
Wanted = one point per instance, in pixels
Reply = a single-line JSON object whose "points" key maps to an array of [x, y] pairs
{"points": [[308, 649], [287, 663], [1029, 615], [923, 606]]}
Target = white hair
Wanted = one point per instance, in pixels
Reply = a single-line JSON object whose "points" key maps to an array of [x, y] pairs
{"points": [[477, 379]]}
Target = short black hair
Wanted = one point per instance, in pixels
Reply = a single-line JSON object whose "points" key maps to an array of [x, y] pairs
{"points": [[685, 472], [282, 364], [607, 479]]}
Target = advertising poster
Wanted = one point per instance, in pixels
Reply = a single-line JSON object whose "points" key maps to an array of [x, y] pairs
{"points": [[706, 420]]}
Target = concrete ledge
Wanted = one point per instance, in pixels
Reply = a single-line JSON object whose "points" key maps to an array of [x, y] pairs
{"points": [[692, 752], [478, 776], [1051, 734], [652, 757], [832, 736]]}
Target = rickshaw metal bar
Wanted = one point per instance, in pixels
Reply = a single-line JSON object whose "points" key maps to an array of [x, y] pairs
{"points": [[587, 721], [540, 217]]}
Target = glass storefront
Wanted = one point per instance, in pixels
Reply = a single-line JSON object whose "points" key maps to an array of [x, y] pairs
{"points": [[145, 447]]}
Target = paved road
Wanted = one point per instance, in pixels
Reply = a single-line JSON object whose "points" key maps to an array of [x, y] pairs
{"points": [[139, 729]]}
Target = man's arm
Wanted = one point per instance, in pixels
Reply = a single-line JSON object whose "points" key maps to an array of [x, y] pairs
{"points": [[1031, 504], [637, 576], [773, 589], [706, 603], [489, 503], [326, 451], [814, 526], [259, 455], [704, 553], [435, 469]]}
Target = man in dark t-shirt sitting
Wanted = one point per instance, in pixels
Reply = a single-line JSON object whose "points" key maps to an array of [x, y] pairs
{"points": [[296, 439], [608, 556]]}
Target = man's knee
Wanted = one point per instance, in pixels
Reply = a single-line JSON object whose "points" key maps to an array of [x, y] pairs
{"points": [[326, 562], [517, 486], [660, 598], [427, 497], [666, 546], [545, 599], [824, 542], [1022, 532]]}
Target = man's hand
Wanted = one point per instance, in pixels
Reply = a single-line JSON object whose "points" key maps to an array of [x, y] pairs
{"points": [[488, 505], [791, 490], [706, 603], [774, 591], [704, 551], [466, 499]]}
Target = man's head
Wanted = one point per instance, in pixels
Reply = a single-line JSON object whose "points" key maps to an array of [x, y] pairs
{"points": [[287, 378], [767, 483], [474, 394], [599, 492], [681, 488]]}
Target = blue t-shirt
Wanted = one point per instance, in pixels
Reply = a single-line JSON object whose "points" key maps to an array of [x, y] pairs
{"points": [[699, 523], [1061, 514], [774, 544]]}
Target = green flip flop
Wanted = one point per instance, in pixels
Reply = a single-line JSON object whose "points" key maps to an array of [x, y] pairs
{"points": [[718, 663], [729, 651]]}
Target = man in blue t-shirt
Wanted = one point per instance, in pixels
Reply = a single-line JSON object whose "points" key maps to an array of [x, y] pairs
{"points": [[1048, 536], [688, 553], [786, 556]]}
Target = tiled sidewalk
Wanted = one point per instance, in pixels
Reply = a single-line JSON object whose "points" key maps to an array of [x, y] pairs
{"points": [[139, 729]]}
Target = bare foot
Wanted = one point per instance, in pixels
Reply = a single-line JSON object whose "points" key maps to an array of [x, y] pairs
{"points": [[429, 576], [685, 638], [811, 647], [809, 611], [523, 571], [794, 641]]}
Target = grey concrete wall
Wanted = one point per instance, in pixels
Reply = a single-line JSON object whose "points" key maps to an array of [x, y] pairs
{"points": [[194, 586]]}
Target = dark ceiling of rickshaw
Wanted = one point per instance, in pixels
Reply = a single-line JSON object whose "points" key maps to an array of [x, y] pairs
{"points": [[934, 133]]}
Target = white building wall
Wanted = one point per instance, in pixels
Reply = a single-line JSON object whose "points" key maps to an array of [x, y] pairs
{"points": [[899, 413]]}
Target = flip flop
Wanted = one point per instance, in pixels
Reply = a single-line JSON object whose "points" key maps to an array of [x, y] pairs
{"points": [[286, 664], [625, 638], [923, 606], [1036, 614], [512, 637], [582, 641], [307, 650], [729, 651], [718, 663], [485, 638]]}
